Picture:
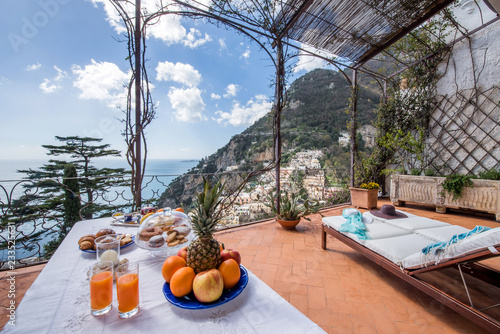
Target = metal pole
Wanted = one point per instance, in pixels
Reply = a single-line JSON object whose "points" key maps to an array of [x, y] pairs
{"points": [[278, 105], [138, 129], [354, 125]]}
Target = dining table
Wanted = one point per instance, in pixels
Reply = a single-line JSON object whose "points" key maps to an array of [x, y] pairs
{"points": [[58, 301]]}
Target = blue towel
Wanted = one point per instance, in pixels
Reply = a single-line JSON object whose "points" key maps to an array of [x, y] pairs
{"points": [[441, 246], [354, 224]]}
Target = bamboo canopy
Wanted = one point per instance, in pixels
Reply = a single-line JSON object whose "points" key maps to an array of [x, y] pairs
{"points": [[355, 30]]}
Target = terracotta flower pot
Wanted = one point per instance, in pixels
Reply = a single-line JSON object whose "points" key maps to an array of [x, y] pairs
{"points": [[364, 198], [288, 224]]}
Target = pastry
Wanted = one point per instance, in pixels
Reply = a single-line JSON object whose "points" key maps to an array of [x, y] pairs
{"points": [[182, 230], [156, 241], [87, 242], [104, 231], [125, 240], [149, 232]]}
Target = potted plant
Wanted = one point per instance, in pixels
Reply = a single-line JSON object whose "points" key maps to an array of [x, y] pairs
{"points": [[292, 207], [365, 196]]}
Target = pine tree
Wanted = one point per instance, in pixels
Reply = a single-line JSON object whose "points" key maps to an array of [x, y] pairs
{"points": [[71, 203], [92, 181]]}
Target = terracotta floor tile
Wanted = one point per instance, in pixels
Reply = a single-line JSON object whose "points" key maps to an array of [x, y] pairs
{"points": [[413, 328], [316, 297], [274, 252], [268, 277], [285, 295], [329, 318], [333, 290], [299, 268], [299, 302], [381, 320], [362, 324], [261, 255], [309, 281]]}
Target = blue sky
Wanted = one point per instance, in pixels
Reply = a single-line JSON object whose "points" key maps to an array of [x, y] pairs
{"points": [[62, 73]]}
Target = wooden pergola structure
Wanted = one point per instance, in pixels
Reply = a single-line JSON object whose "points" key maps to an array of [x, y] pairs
{"points": [[352, 31]]}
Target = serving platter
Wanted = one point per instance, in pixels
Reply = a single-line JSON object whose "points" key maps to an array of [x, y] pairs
{"points": [[189, 302], [126, 245]]}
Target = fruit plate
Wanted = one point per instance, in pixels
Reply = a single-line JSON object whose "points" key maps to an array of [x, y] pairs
{"points": [[189, 302], [126, 245]]}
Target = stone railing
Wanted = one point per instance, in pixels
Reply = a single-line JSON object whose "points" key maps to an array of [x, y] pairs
{"points": [[483, 196]]}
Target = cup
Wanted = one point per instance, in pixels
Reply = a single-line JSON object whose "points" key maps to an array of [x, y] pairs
{"points": [[127, 289], [147, 209], [108, 248], [128, 217], [101, 288]]}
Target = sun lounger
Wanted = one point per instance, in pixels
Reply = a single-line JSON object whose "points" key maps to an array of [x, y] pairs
{"points": [[396, 245]]}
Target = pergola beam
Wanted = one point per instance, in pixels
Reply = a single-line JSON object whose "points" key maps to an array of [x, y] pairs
{"points": [[379, 48]]}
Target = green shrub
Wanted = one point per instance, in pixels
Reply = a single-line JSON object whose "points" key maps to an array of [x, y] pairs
{"points": [[415, 171], [429, 172], [455, 184], [491, 174]]}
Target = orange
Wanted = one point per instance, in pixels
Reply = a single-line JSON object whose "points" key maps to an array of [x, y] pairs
{"points": [[221, 245], [171, 265], [181, 283], [230, 271], [179, 209]]}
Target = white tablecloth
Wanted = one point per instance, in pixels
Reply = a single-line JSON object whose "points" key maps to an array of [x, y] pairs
{"points": [[58, 301]]}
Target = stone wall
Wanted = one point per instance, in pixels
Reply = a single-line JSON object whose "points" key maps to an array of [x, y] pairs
{"points": [[465, 130]]}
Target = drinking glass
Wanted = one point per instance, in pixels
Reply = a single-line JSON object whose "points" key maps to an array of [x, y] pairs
{"points": [[108, 248], [127, 289], [101, 288]]}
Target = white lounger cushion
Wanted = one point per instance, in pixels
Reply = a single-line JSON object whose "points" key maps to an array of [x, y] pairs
{"points": [[462, 248], [416, 223], [368, 214], [397, 249], [335, 222], [443, 233], [376, 230]]}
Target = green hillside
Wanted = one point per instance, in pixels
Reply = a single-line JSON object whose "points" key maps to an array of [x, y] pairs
{"points": [[316, 114]]}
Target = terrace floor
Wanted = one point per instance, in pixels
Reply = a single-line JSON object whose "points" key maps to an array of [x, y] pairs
{"points": [[337, 288]]}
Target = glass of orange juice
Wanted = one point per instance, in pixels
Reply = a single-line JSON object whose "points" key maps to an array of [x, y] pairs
{"points": [[101, 288], [127, 289]]}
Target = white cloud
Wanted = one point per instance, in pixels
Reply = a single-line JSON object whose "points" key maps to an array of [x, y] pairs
{"points": [[33, 67], [245, 115], [187, 103], [231, 90], [245, 54], [307, 62], [222, 44], [51, 85], [214, 96], [3, 80], [48, 87], [102, 81], [182, 73], [168, 28], [193, 39]]}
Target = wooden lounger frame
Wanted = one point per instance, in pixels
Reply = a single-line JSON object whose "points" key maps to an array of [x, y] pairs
{"points": [[465, 263]]}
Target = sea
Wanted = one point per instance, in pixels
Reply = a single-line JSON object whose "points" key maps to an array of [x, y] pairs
{"points": [[163, 170], [158, 175]]}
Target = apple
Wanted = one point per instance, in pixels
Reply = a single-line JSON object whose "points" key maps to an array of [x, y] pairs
{"points": [[183, 252], [227, 254], [208, 286]]}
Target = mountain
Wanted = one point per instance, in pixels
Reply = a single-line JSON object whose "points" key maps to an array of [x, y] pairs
{"points": [[316, 114]]}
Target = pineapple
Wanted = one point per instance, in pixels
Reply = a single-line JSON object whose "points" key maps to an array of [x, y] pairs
{"points": [[204, 252]]}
